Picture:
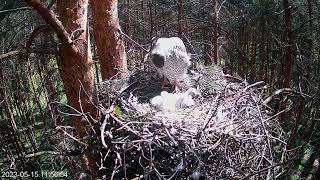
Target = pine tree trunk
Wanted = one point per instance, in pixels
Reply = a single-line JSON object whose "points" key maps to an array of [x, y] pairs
{"points": [[76, 66], [215, 33], [288, 60], [151, 23], [180, 18], [253, 55], [310, 51], [267, 65], [206, 47], [110, 47], [127, 19], [140, 14], [241, 54], [262, 50], [76, 62]]}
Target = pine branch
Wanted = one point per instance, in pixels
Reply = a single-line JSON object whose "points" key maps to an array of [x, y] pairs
{"points": [[53, 21]]}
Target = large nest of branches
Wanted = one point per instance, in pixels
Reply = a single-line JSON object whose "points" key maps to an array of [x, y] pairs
{"points": [[228, 134]]}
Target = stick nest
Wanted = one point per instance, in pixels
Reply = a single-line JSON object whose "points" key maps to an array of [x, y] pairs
{"points": [[228, 134]]}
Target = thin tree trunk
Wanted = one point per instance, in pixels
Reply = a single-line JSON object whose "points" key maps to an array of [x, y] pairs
{"points": [[127, 19], [241, 53], [267, 65], [155, 15], [245, 50], [214, 53], [110, 47], [151, 23], [310, 51], [262, 49], [139, 15], [288, 59], [273, 70], [180, 18], [253, 55], [206, 48]]}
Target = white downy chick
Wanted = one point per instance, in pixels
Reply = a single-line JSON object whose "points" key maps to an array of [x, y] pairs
{"points": [[186, 101], [157, 102], [165, 101], [187, 98], [172, 102]]}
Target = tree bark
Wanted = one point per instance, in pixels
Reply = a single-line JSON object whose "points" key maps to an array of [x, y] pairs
{"points": [[253, 55], [310, 42], [288, 60], [76, 66], [180, 18], [127, 17], [215, 33], [206, 47], [262, 50], [76, 60], [151, 20], [241, 51], [110, 47]]}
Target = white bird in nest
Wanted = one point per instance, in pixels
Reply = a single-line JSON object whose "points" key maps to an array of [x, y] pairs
{"points": [[171, 60], [172, 102]]}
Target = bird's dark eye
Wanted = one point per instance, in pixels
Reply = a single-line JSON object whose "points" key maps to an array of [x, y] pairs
{"points": [[158, 60]]}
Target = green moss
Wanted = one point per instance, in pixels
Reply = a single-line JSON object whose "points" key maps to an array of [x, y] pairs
{"points": [[117, 111]]}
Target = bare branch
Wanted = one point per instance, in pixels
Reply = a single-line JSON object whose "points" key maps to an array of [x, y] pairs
{"points": [[23, 51], [53, 21], [42, 153], [14, 10]]}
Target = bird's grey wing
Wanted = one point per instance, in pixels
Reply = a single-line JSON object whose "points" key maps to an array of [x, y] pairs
{"points": [[182, 57]]}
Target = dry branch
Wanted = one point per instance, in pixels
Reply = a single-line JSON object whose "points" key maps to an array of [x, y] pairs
{"points": [[14, 10], [23, 51], [42, 153], [53, 21], [12, 53]]}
